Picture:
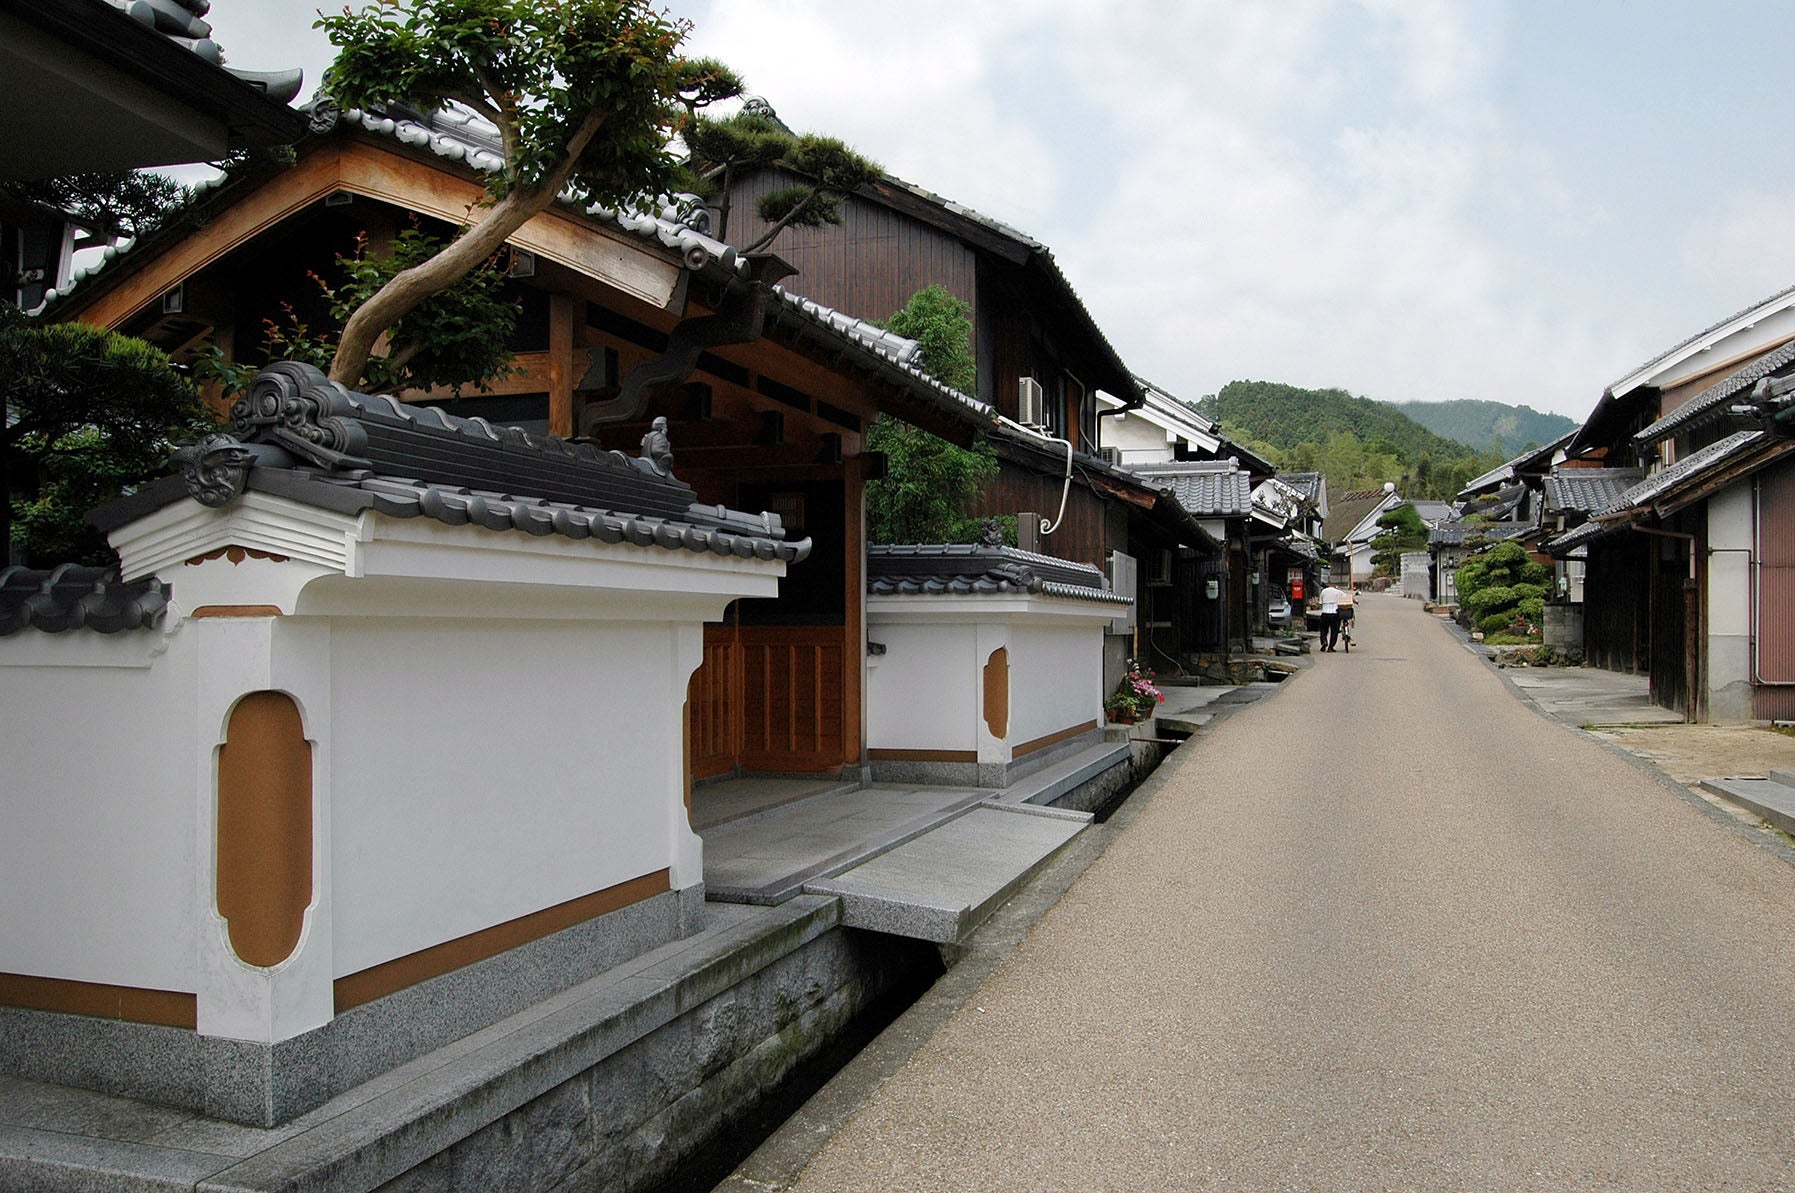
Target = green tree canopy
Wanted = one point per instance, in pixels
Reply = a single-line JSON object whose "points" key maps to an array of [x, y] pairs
{"points": [[89, 414], [828, 169], [929, 482], [1502, 590], [586, 95], [458, 336]]}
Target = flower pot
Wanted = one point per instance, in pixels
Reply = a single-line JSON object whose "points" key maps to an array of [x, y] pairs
{"points": [[1121, 716]]}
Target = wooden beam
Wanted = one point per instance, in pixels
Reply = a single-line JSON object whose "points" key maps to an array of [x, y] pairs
{"points": [[317, 175], [561, 365]]}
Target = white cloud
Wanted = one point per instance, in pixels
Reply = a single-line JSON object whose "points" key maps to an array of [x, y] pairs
{"points": [[1745, 247], [1328, 192]]}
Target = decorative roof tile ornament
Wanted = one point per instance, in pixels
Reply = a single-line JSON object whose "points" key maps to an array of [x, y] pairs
{"points": [[216, 469], [312, 441]]}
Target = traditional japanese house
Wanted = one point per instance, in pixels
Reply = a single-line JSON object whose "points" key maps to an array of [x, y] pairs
{"points": [[625, 319], [1042, 360], [1675, 581], [1351, 525]]}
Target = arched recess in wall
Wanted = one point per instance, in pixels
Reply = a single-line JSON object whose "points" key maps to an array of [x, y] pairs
{"points": [[264, 841], [997, 693]]}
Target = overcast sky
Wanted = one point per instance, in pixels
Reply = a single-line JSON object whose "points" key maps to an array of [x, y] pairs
{"points": [[1409, 199]]}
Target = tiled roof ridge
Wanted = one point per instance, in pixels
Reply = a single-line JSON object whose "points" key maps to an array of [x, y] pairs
{"points": [[459, 135], [298, 435], [1187, 468], [912, 568], [1703, 406], [180, 22], [1665, 479], [73, 596], [898, 350]]}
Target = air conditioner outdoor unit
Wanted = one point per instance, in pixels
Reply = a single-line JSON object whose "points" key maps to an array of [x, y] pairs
{"points": [[1110, 455], [1031, 403]]}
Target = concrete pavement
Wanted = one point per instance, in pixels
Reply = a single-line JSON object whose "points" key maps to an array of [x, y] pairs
{"points": [[1390, 930]]}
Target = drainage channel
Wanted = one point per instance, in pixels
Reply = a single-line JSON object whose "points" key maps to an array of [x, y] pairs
{"points": [[918, 966], [921, 966]]}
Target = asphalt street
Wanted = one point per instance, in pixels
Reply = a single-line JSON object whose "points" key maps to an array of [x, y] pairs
{"points": [[1389, 929]]}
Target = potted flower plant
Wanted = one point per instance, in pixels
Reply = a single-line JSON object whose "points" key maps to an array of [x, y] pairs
{"points": [[1135, 697]]}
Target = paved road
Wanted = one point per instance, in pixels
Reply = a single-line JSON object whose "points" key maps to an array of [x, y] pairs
{"points": [[1390, 929]]}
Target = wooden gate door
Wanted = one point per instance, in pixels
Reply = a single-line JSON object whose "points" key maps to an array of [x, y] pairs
{"points": [[1669, 628], [714, 701], [769, 698]]}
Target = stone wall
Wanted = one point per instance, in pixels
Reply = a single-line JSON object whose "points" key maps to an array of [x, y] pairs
{"points": [[1563, 626], [633, 1120]]}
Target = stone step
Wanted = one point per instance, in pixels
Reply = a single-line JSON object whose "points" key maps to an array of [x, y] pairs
{"points": [[1187, 722], [1771, 798], [941, 885], [1055, 780]]}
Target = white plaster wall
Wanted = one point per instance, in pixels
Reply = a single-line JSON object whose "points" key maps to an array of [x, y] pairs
{"points": [[1056, 678], [482, 772], [1139, 441], [1729, 605], [97, 832], [925, 690]]}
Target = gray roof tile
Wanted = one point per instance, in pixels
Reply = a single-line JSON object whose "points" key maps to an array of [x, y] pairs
{"points": [[1712, 403], [1206, 489], [1581, 536], [962, 569], [72, 597], [1453, 534], [1689, 467], [1588, 490], [296, 435]]}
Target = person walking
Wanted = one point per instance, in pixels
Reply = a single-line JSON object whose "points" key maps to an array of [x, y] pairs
{"points": [[1330, 616]]}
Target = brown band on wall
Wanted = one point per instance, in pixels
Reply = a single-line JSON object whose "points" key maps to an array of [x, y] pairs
{"points": [[264, 841], [236, 611], [923, 755], [997, 693], [166, 1008], [379, 980], [1052, 739]]}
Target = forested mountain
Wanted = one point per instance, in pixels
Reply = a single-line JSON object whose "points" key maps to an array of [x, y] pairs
{"points": [[1488, 426], [1355, 442]]}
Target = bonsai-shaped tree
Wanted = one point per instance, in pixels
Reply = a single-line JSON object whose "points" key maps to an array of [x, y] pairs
{"points": [[1502, 590], [87, 415], [586, 95], [1400, 529], [827, 169]]}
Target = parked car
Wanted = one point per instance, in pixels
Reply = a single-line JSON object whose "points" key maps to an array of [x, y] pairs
{"points": [[1277, 612]]}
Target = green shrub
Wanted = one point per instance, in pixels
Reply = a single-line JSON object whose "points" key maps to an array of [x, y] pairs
{"points": [[1496, 623]]}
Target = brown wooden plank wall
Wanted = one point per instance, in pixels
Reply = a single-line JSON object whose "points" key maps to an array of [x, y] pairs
{"points": [[715, 732], [792, 698], [870, 265], [1080, 537]]}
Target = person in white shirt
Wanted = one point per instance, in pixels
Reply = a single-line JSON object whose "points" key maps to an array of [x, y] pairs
{"points": [[1331, 599]]}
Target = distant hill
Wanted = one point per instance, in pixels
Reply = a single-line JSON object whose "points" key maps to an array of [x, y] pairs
{"points": [[1488, 426], [1355, 442]]}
